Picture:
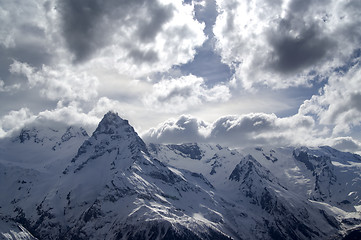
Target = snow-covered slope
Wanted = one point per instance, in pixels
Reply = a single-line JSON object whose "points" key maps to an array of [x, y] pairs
{"points": [[267, 208], [322, 174], [63, 184], [41, 147], [113, 189], [295, 178], [214, 162]]}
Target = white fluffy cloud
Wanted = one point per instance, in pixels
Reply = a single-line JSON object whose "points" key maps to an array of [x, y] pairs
{"points": [[249, 130], [288, 42], [137, 37], [58, 83], [143, 37], [63, 116], [236, 131], [260, 128], [71, 115], [183, 129], [338, 104], [15, 119], [180, 94]]}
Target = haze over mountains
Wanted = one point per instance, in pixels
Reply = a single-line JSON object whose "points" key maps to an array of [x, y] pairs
{"points": [[60, 183]]}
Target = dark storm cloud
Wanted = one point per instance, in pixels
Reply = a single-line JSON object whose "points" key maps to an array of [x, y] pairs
{"points": [[148, 30], [298, 43], [89, 25], [80, 18], [278, 43], [293, 53]]}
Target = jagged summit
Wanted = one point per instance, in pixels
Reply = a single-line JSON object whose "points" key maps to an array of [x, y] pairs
{"points": [[113, 135], [111, 123], [118, 129]]}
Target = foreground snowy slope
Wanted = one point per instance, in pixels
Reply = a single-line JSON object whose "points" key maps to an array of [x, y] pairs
{"points": [[63, 184]]}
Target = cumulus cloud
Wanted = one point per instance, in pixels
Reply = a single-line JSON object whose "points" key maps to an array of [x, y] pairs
{"points": [[260, 128], [142, 36], [338, 105], [58, 83], [249, 130], [105, 105], [236, 131], [71, 115], [177, 95], [61, 117], [183, 129], [285, 43], [86, 22], [15, 120], [138, 37]]}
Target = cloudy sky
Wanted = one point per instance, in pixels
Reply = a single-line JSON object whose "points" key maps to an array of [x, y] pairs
{"points": [[235, 72]]}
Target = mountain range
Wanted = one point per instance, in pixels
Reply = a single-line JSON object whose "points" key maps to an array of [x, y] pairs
{"points": [[57, 182]]}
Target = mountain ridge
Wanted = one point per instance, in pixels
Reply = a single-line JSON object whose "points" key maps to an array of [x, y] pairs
{"points": [[114, 186]]}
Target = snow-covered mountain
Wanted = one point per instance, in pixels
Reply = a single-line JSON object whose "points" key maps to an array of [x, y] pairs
{"points": [[323, 177], [322, 174], [42, 146], [62, 184]]}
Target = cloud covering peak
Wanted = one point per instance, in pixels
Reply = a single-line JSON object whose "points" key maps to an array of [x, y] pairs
{"points": [[248, 130]]}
